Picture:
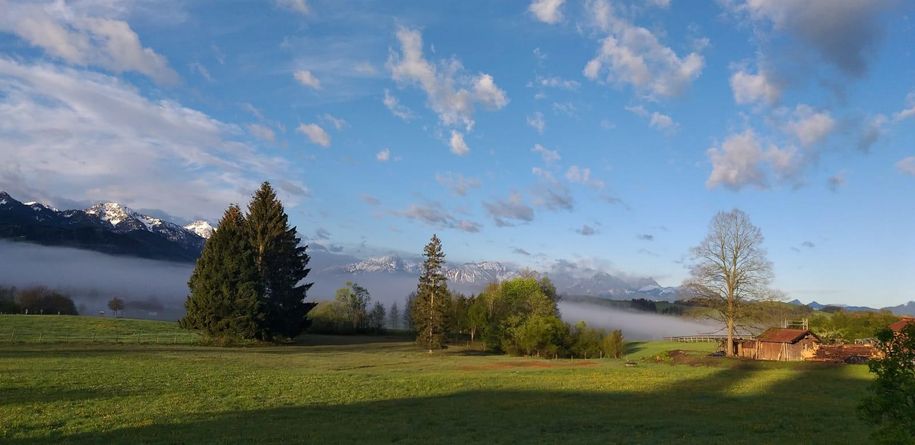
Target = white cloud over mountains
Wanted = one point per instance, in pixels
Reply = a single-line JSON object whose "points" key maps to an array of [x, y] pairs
{"points": [[76, 36], [79, 135]]}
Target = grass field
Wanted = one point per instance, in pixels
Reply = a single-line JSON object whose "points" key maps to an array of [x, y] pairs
{"points": [[385, 390]]}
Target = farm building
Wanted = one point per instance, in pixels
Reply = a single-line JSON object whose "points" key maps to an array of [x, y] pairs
{"points": [[781, 344], [899, 325]]}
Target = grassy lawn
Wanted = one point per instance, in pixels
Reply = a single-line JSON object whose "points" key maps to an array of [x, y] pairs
{"points": [[70, 329], [385, 390]]}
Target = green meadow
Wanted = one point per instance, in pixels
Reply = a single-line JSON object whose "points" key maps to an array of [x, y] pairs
{"points": [[328, 389]]}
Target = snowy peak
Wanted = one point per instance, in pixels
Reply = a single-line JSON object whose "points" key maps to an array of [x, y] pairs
{"points": [[388, 263], [110, 212], [202, 228]]}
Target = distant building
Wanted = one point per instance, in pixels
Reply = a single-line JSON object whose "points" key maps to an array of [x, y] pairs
{"points": [[780, 344], [899, 325]]}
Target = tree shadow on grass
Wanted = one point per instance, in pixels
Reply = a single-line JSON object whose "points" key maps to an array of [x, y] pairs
{"points": [[728, 406], [631, 347]]}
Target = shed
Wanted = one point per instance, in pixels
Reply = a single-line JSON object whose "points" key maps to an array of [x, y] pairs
{"points": [[899, 325], [781, 344]]}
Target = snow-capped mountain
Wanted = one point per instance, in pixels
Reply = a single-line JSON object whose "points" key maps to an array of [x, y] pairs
{"points": [[393, 274], [106, 227], [202, 228]]}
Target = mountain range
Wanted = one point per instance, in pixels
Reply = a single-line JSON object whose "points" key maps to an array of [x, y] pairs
{"points": [[112, 228], [106, 227]]}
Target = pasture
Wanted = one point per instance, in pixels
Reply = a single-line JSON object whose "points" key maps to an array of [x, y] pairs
{"points": [[385, 390]]}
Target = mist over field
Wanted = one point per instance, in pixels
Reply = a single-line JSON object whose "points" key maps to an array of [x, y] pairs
{"points": [[157, 289], [635, 325], [152, 289]]}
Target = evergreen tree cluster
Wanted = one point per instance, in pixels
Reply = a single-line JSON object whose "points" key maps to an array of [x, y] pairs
{"points": [[247, 283]]}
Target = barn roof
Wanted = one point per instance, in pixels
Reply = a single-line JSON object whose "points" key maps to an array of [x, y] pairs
{"points": [[897, 326], [784, 335]]}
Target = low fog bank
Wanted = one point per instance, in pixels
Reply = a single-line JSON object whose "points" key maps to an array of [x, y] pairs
{"points": [[150, 288], [635, 325]]}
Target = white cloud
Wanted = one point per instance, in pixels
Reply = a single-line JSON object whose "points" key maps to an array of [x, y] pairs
{"points": [[655, 119], [315, 134], [582, 175], [396, 108], [537, 122], [547, 154], [547, 11], [80, 135], [262, 132], [633, 55], [906, 166], [908, 112], [457, 183], [308, 79], [557, 82], [660, 3], [754, 88], [810, 127], [737, 163], [75, 36], [743, 161], [450, 92], [337, 122], [458, 146], [298, 6], [383, 155]]}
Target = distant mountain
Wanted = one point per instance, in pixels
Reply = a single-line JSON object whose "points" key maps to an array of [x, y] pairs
{"points": [[903, 309], [202, 228], [392, 274], [105, 227]]}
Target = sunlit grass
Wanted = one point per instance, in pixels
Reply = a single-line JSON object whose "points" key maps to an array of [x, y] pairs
{"points": [[371, 391]]}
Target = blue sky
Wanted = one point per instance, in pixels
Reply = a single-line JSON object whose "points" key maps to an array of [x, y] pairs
{"points": [[605, 133]]}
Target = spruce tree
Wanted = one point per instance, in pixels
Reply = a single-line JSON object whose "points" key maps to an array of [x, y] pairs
{"points": [[281, 263], [429, 308], [225, 297], [394, 316]]}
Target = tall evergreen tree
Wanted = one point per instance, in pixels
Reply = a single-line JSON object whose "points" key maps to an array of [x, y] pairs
{"points": [[282, 264], [225, 298], [394, 316], [430, 306]]}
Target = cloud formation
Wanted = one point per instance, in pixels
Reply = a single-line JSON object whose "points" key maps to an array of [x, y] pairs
{"points": [[307, 79], [450, 92], [635, 56], [70, 33], [505, 213], [547, 11], [434, 215], [315, 134], [457, 183], [161, 148]]}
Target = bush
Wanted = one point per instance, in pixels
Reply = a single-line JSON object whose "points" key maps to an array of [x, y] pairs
{"points": [[613, 345], [891, 405]]}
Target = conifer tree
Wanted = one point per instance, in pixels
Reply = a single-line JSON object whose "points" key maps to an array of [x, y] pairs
{"points": [[281, 263], [225, 297], [430, 306], [394, 316]]}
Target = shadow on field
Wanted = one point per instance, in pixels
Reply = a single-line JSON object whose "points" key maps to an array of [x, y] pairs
{"points": [[633, 346], [817, 405]]}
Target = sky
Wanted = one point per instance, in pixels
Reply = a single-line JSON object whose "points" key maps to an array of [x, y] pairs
{"points": [[605, 133]]}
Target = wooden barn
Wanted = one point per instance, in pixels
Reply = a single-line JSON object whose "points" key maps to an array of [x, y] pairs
{"points": [[899, 325], [781, 344]]}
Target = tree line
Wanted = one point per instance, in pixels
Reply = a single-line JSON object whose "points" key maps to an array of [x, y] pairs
{"points": [[35, 300]]}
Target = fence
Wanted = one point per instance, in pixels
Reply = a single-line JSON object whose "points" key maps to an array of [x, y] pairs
{"points": [[142, 338], [700, 338]]}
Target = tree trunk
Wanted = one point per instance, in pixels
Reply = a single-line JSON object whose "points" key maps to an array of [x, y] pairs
{"points": [[730, 322]]}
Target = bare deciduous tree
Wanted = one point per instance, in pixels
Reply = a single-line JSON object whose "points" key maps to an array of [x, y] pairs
{"points": [[730, 268]]}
